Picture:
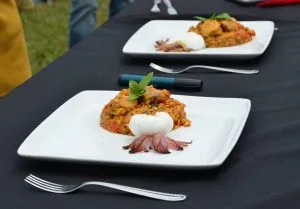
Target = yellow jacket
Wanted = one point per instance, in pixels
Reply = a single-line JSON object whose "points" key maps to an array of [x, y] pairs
{"points": [[14, 62]]}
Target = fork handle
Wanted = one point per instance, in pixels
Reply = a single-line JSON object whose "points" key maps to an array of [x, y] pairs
{"points": [[141, 192], [231, 70]]}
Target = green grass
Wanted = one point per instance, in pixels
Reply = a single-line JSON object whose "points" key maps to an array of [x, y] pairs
{"points": [[46, 31]]}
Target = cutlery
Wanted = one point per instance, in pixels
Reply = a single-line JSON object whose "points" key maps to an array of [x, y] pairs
{"points": [[62, 189], [172, 71], [155, 8], [170, 9]]}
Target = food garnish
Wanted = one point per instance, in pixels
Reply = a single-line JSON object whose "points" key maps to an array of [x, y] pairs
{"points": [[138, 89], [151, 132], [215, 16]]}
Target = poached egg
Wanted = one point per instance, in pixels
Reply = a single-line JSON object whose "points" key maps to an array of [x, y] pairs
{"points": [[190, 40], [142, 124]]}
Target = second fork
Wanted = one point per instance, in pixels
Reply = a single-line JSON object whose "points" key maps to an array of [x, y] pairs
{"points": [[222, 69]]}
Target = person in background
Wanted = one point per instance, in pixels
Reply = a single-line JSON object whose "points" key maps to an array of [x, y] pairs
{"points": [[14, 61], [84, 15]]}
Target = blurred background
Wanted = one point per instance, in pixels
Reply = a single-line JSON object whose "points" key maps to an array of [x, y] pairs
{"points": [[46, 28]]}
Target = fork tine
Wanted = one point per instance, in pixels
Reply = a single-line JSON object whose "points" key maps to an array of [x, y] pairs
{"points": [[47, 182], [41, 183], [162, 69], [41, 187]]}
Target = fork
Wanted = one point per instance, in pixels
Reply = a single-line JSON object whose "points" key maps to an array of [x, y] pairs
{"points": [[170, 9], [172, 71], [62, 189], [155, 8]]}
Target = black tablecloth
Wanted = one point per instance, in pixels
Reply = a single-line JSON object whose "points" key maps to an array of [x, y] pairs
{"points": [[262, 171]]}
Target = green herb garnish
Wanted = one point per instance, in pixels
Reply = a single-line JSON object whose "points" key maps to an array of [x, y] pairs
{"points": [[138, 89], [200, 18], [212, 17], [224, 16], [215, 16]]}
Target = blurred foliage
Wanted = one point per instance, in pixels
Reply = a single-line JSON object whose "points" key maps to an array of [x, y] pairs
{"points": [[46, 30], [25, 4]]}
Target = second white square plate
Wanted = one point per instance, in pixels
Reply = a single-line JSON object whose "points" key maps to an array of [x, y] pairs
{"points": [[72, 133], [141, 44]]}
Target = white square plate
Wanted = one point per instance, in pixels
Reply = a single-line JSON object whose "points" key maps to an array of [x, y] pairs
{"points": [[72, 133], [141, 44]]}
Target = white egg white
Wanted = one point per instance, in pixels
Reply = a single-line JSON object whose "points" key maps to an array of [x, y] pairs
{"points": [[191, 40], [142, 124]]}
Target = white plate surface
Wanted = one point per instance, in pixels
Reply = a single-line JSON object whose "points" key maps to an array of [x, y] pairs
{"points": [[141, 44], [72, 133]]}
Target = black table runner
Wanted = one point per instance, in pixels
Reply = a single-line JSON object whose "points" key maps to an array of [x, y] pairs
{"points": [[262, 171]]}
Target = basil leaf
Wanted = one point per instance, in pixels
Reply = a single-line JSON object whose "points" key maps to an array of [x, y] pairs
{"points": [[200, 18], [132, 97], [142, 92], [223, 16], [133, 86], [138, 89], [213, 16], [143, 83]]}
